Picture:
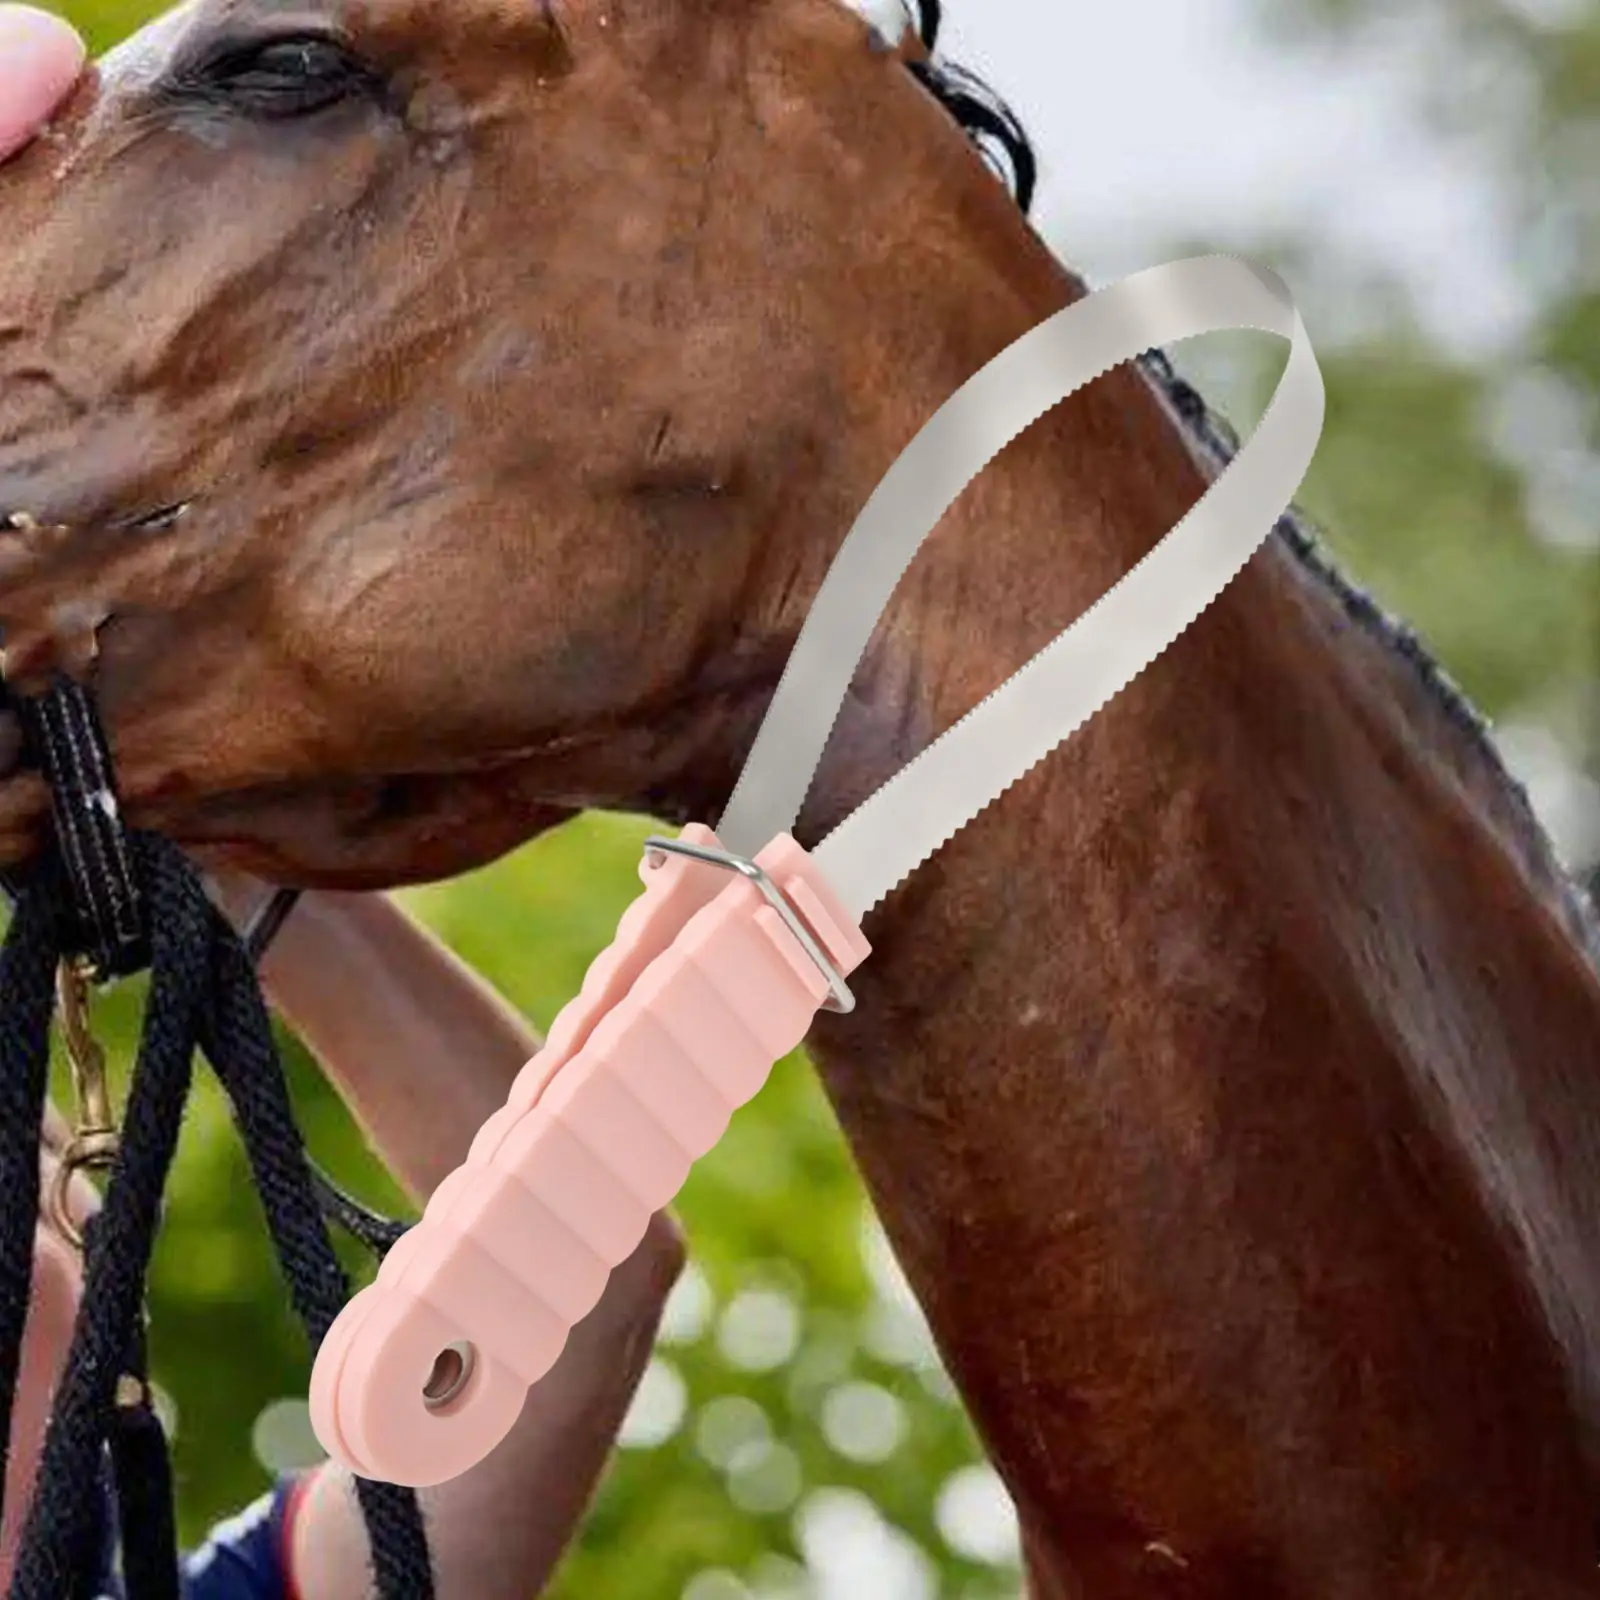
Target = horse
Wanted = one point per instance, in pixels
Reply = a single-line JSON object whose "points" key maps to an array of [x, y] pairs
{"points": [[423, 422]]}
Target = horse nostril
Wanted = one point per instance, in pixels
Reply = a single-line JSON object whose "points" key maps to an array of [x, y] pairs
{"points": [[157, 521]]}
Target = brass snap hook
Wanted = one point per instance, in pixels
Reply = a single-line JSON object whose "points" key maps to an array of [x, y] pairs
{"points": [[94, 1143]]}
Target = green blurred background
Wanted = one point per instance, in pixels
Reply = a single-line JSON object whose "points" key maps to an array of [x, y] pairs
{"points": [[795, 1435]]}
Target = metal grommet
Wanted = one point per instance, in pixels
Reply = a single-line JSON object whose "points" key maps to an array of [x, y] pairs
{"points": [[452, 1372]]}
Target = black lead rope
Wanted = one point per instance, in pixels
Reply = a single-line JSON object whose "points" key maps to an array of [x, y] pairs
{"points": [[203, 991], [236, 1034], [141, 1473], [27, 1004], [379, 1234], [58, 1548], [125, 901]]}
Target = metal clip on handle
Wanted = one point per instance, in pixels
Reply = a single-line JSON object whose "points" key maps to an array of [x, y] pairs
{"points": [[839, 995], [717, 972]]}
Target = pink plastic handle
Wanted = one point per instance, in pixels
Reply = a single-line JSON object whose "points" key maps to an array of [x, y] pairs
{"points": [[678, 1024]]}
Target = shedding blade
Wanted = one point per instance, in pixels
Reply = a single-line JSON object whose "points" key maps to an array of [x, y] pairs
{"points": [[1157, 307], [677, 1025], [711, 979], [1142, 615]]}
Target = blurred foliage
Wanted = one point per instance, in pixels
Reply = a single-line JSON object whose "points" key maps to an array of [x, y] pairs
{"points": [[792, 1374], [1467, 493]]}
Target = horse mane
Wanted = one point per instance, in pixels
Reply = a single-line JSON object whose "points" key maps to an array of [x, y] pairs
{"points": [[998, 133]]}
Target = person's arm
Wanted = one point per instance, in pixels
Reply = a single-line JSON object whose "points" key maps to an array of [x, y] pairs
{"points": [[424, 1052]]}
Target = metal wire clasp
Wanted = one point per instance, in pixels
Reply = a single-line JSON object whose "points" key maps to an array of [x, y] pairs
{"points": [[94, 1143], [840, 998]]}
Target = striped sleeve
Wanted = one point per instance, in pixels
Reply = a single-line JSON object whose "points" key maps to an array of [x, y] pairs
{"points": [[247, 1556]]}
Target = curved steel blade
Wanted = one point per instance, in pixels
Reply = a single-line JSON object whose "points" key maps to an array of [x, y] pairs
{"points": [[1154, 308], [978, 759]]}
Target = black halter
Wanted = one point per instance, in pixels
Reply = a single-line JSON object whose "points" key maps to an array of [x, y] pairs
{"points": [[106, 903], [106, 921]]}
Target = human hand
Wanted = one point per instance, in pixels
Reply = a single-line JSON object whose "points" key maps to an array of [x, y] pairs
{"points": [[41, 57]]}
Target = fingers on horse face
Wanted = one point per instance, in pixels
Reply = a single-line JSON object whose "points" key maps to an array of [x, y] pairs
{"points": [[40, 58]]}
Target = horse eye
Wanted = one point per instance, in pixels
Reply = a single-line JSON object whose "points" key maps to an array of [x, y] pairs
{"points": [[285, 77]]}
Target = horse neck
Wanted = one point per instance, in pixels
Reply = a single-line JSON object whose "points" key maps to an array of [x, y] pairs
{"points": [[1244, 877], [1448, 728]]}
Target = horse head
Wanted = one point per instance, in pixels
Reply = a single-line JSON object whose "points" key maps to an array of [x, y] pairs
{"points": [[420, 421]]}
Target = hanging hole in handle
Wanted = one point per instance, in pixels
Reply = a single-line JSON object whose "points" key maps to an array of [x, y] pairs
{"points": [[452, 1372]]}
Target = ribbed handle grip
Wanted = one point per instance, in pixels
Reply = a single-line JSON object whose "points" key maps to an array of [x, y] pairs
{"points": [[677, 1025]]}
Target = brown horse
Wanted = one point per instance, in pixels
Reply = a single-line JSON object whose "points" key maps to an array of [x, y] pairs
{"points": [[438, 418]]}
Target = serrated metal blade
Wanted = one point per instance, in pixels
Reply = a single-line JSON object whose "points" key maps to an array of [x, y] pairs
{"points": [[1157, 307], [1001, 739]]}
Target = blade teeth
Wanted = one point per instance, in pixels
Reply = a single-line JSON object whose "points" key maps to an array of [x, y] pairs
{"points": [[1017, 777]]}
